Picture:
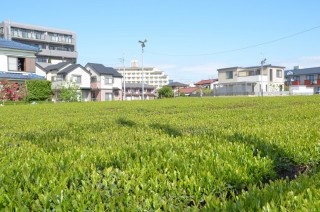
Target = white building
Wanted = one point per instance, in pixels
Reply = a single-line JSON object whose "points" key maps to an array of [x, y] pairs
{"points": [[64, 73], [106, 82], [17, 61], [152, 76], [250, 80]]}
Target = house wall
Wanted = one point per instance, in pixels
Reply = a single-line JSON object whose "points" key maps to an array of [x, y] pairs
{"points": [[3, 63], [40, 72], [29, 56], [222, 75], [85, 77]]}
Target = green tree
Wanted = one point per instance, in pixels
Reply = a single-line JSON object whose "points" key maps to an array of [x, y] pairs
{"points": [[38, 90], [165, 92], [70, 92]]}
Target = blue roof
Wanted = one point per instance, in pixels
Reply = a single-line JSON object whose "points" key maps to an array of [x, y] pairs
{"points": [[303, 71], [22, 76], [9, 44]]}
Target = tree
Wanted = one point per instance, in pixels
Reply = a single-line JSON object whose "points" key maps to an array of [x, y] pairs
{"points": [[70, 92], [165, 92]]}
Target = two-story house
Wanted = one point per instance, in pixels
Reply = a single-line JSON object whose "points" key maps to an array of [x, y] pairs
{"points": [[106, 82], [17, 61], [303, 80], [250, 80], [64, 74]]}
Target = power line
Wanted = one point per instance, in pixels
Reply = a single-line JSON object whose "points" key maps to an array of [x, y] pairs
{"points": [[242, 48]]}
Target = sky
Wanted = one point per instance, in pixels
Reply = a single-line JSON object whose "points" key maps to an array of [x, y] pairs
{"points": [[188, 40]]}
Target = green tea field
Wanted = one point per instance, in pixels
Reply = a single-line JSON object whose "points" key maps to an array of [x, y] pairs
{"points": [[184, 154]]}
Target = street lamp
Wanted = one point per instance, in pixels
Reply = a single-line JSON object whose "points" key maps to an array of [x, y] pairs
{"points": [[143, 44], [262, 63], [124, 79]]}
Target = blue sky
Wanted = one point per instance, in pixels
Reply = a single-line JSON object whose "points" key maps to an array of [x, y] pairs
{"points": [[188, 39]]}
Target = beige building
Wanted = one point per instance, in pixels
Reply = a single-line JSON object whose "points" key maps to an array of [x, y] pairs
{"points": [[250, 80], [152, 76]]}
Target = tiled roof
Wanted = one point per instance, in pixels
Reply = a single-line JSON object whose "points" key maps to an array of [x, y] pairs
{"points": [[177, 84], [101, 69], [188, 90], [22, 76], [209, 81], [9, 44], [57, 66], [302, 71]]}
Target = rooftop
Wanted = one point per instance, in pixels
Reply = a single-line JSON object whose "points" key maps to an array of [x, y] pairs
{"points": [[101, 69], [9, 44], [21, 76]]}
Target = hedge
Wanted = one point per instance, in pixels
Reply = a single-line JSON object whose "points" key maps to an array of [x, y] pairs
{"points": [[38, 90]]}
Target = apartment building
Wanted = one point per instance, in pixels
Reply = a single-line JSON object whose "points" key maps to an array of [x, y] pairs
{"points": [[250, 80], [151, 76], [56, 45]]}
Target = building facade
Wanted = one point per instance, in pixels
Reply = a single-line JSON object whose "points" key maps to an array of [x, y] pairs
{"points": [[151, 76], [133, 91], [303, 80], [106, 82], [17, 61], [56, 45], [250, 80]]}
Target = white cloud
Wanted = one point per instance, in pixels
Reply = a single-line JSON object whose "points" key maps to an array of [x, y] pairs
{"points": [[305, 62], [191, 73]]}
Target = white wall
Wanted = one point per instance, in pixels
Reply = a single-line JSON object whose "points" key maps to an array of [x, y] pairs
{"points": [[40, 72], [85, 77], [3, 63]]}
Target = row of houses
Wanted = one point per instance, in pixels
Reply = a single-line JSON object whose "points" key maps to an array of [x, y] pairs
{"points": [[95, 81], [256, 81]]}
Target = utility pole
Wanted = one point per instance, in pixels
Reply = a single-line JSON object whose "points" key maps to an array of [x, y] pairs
{"points": [[142, 50], [262, 63]]}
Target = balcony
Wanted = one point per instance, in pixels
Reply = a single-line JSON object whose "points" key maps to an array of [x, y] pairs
{"points": [[307, 82], [296, 82], [95, 85], [254, 78], [318, 82], [58, 53]]}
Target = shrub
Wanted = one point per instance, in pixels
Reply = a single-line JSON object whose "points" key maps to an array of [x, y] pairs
{"points": [[38, 90]]}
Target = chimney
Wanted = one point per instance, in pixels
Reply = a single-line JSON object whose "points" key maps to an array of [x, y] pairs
{"points": [[296, 67]]}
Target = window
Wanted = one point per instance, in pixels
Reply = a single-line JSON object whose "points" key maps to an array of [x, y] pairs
{"points": [[229, 74], [296, 78], [271, 75], [93, 79], [76, 79], [12, 64], [108, 96], [108, 80], [279, 73], [310, 77]]}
